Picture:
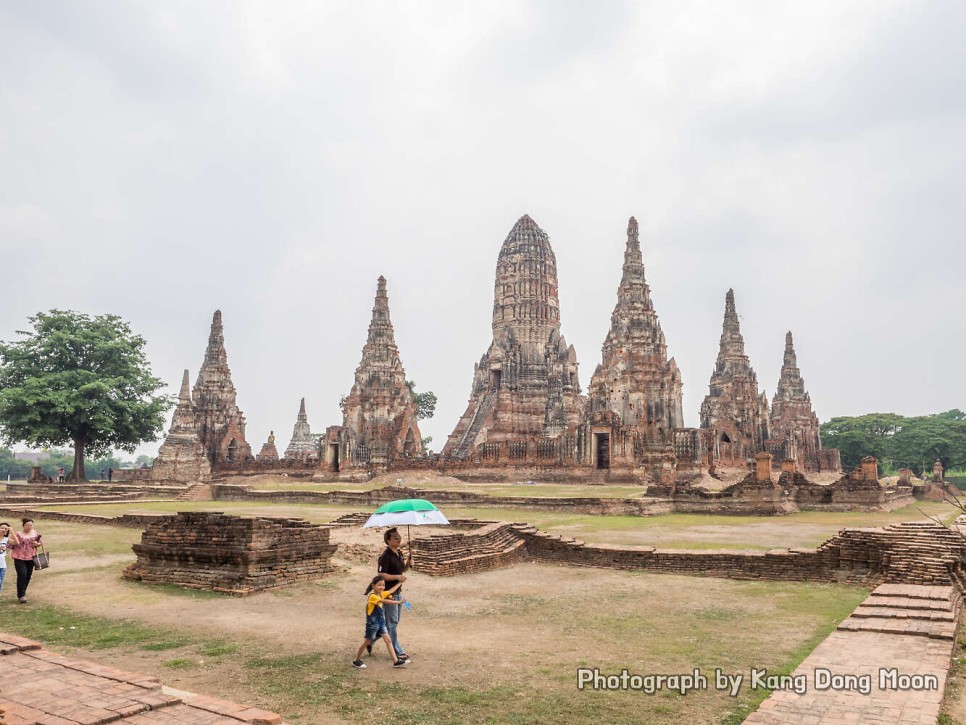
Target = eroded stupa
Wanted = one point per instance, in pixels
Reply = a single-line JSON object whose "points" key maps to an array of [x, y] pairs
{"points": [[303, 445], [379, 426], [525, 386], [635, 403], [734, 411], [181, 456], [220, 423], [794, 425]]}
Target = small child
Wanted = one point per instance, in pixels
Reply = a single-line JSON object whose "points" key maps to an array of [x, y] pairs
{"points": [[376, 622]]}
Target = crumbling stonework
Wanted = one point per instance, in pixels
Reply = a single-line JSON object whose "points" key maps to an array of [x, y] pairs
{"points": [[379, 426], [634, 400], [734, 412], [303, 445], [525, 387], [269, 453], [204, 550], [794, 425], [922, 553], [181, 456], [221, 425]]}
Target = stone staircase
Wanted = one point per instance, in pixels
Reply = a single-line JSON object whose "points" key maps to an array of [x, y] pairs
{"points": [[196, 492], [926, 611], [493, 546], [476, 424]]}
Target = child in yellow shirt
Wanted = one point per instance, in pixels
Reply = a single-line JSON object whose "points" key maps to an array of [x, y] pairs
{"points": [[376, 621]]}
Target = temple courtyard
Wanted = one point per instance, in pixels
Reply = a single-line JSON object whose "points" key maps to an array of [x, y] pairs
{"points": [[496, 646]]}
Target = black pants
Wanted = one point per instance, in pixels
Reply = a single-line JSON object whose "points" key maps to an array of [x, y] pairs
{"points": [[25, 570]]}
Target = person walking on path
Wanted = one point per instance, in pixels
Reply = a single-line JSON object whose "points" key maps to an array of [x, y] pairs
{"points": [[378, 598], [4, 539], [392, 566], [60, 475], [24, 547]]}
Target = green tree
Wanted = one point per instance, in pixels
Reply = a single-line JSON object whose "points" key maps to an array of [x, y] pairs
{"points": [[81, 380], [12, 467], [862, 435], [425, 402], [925, 439]]}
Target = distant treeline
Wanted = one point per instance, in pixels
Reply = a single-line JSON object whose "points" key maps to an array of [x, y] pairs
{"points": [[19, 469], [898, 441]]}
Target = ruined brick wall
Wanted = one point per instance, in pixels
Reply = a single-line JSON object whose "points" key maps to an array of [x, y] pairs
{"points": [[493, 546], [910, 553], [231, 554]]}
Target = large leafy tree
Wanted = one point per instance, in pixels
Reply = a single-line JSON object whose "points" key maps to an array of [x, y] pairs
{"points": [[928, 438], [79, 380], [904, 442], [862, 435]]}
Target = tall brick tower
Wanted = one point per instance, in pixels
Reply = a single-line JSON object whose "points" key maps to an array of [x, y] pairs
{"points": [[794, 425], [734, 409], [636, 380], [525, 385], [379, 415], [181, 456], [221, 425]]}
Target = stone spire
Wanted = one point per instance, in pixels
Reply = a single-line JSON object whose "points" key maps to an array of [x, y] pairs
{"points": [[181, 457], [635, 379], [734, 407], [379, 414], [525, 385], [221, 423], [184, 413], [525, 298], [793, 422], [302, 445]]}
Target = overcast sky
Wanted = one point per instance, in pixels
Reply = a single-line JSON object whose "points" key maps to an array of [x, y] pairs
{"points": [[162, 160]]}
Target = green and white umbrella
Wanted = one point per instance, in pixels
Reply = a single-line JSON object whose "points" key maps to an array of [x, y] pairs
{"points": [[407, 512]]}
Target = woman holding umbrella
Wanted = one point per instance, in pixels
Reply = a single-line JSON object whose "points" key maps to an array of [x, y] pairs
{"points": [[393, 569]]}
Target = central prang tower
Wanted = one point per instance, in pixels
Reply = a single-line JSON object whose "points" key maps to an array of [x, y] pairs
{"points": [[525, 385]]}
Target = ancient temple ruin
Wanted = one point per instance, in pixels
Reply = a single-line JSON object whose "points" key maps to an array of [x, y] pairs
{"points": [[269, 453], [181, 456], [525, 391], [634, 400], [794, 425], [303, 445], [221, 425], [379, 426], [734, 412]]}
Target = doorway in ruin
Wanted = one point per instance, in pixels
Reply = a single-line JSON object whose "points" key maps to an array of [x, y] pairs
{"points": [[603, 450], [232, 450], [496, 377], [334, 454]]}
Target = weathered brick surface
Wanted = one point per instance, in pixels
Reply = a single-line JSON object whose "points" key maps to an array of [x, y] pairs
{"points": [[913, 553], [908, 643], [52, 689], [379, 426], [231, 554]]}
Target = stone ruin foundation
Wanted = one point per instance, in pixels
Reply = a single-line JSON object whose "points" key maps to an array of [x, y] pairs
{"points": [[231, 554]]}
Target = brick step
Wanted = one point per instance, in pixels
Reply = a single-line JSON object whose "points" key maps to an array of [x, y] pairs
{"points": [[913, 591], [935, 605], [891, 612], [913, 627]]}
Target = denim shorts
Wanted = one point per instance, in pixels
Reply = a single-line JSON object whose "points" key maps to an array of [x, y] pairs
{"points": [[375, 627]]}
